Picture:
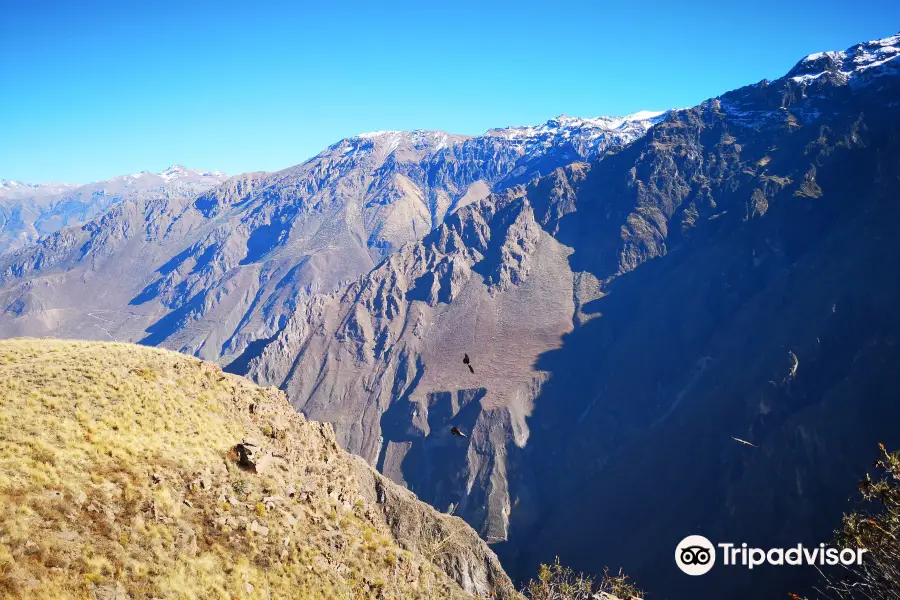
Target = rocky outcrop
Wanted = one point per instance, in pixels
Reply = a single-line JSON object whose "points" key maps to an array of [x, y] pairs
{"points": [[447, 541], [143, 473]]}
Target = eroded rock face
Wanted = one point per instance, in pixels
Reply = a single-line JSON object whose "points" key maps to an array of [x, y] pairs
{"points": [[448, 541], [213, 272], [488, 283], [625, 319]]}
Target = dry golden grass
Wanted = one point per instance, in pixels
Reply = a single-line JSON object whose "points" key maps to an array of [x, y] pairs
{"points": [[119, 479]]}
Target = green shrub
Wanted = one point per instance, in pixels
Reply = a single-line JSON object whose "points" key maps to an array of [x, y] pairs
{"points": [[556, 582], [876, 530]]}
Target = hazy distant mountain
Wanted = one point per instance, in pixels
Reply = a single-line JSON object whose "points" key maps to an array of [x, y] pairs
{"points": [[624, 320], [211, 274], [18, 189], [29, 211]]}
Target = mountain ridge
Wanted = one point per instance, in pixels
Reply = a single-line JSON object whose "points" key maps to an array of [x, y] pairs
{"points": [[554, 347], [228, 264], [28, 211]]}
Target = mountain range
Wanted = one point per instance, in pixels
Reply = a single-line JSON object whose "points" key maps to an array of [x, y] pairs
{"points": [[210, 274], [29, 211], [633, 294]]}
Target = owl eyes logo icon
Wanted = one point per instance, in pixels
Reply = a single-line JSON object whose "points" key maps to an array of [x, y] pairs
{"points": [[695, 555]]}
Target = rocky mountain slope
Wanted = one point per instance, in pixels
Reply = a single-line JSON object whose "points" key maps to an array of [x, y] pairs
{"points": [[130, 472], [212, 274], [29, 211], [728, 274]]}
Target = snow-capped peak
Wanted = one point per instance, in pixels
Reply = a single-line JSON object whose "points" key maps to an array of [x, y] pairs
{"points": [[180, 171], [11, 184], [417, 136], [173, 172], [588, 136], [644, 115], [369, 135], [385, 142], [589, 128], [870, 59]]}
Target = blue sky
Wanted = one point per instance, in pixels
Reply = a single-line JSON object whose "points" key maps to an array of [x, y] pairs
{"points": [[89, 90]]}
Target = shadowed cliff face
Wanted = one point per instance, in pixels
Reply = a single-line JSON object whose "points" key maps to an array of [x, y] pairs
{"points": [[625, 320], [752, 230]]}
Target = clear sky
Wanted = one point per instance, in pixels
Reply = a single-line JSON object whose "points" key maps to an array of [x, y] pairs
{"points": [[91, 89]]}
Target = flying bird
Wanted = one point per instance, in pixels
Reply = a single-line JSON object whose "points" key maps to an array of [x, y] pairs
{"points": [[744, 442], [468, 363], [795, 362], [455, 431]]}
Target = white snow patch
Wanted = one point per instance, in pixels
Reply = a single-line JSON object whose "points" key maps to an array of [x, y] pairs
{"points": [[644, 115], [855, 60]]}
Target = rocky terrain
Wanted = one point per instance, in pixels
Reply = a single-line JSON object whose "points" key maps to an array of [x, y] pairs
{"points": [[130, 472], [726, 275], [29, 211], [489, 283], [631, 303], [212, 274]]}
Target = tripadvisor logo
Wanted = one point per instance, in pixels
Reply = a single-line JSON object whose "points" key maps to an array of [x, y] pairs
{"points": [[696, 555]]}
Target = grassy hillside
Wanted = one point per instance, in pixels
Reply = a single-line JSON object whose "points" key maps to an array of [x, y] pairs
{"points": [[120, 478]]}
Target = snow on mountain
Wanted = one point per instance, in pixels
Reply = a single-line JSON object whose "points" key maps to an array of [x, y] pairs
{"points": [[588, 137], [28, 211], [859, 62], [385, 142], [180, 172], [172, 174], [861, 65], [17, 189], [590, 128], [591, 133]]}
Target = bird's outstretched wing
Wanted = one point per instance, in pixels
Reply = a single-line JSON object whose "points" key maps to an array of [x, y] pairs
{"points": [[744, 442]]}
